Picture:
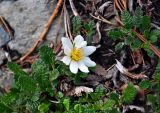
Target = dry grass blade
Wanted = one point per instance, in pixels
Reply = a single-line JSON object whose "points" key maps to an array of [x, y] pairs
{"points": [[67, 24], [74, 10]]}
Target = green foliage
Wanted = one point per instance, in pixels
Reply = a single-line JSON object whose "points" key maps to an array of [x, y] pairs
{"points": [[127, 19], [126, 36], [116, 34], [38, 92], [88, 28], [43, 107], [145, 84], [76, 24], [66, 103], [129, 93]]}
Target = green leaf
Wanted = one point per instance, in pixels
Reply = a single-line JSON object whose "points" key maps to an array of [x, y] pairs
{"points": [[128, 40], [47, 55], [77, 24], [146, 33], [138, 14], [115, 34], [137, 44], [114, 96], [43, 107], [9, 98], [5, 108], [108, 105], [129, 93], [127, 19], [155, 32], [146, 22], [78, 108], [150, 52], [16, 68], [22, 79], [153, 38], [66, 103], [54, 74], [60, 95], [32, 106], [90, 30], [119, 46], [146, 45], [41, 74], [151, 98], [145, 84], [26, 84]]}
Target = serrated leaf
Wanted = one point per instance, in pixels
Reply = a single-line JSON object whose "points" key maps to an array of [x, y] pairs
{"points": [[137, 44], [22, 79], [77, 24], [146, 22], [16, 68], [145, 84], [119, 46], [155, 32], [32, 106], [115, 34], [128, 40], [137, 17], [129, 93], [127, 19], [26, 84], [151, 98], [114, 96], [60, 95], [153, 38], [78, 108], [47, 55], [5, 108], [43, 107], [66, 103], [150, 52], [108, 105], [41, 74], [9, 98], [54, 74]]}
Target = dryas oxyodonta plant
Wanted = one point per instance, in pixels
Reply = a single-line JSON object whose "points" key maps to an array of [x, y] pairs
{"points": [[77, 54]]}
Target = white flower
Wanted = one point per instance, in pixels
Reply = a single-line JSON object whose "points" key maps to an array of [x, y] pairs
{"points": [[76, 54]]}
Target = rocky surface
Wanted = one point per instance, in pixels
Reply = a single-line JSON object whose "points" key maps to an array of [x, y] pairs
{"points": [[27, 17]]}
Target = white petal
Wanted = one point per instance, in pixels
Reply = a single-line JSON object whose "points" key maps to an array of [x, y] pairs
{"points": [[83, 67], [67, 51], [78, 40], [88, 62], [66, 42], [88, 50], [82, 44], [73, 67], [66, 60]]}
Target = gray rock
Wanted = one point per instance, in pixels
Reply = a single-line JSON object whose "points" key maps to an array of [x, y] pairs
{"points": [[2, 56], [27, 17]]}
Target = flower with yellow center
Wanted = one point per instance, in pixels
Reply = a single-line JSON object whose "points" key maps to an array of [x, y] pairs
{"points": [[76, 54]]}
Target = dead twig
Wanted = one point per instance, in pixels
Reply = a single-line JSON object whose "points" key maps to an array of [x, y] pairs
{"points": [[103, 20], [44, 33], [67, 24], [74, 10], [125, 71]]}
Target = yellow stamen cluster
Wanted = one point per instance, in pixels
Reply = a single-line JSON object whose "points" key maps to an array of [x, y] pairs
{"points": [[76, 54]]}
